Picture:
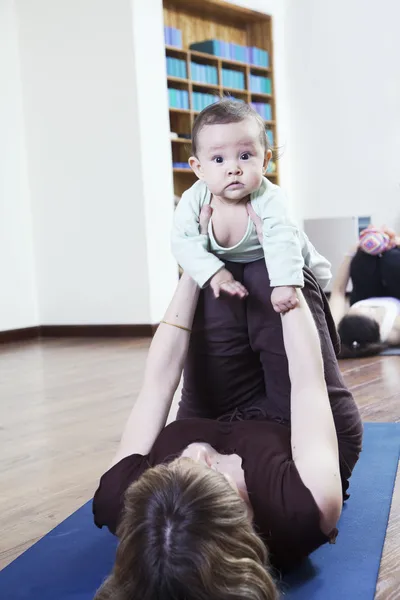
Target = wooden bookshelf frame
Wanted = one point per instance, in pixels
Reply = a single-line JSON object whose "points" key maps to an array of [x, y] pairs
{"points": [[215, 19]]}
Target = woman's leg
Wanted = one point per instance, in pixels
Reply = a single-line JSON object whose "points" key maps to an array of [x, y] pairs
{"points": [[265, 333], [365, 274], [390, 272], [221, 372]]}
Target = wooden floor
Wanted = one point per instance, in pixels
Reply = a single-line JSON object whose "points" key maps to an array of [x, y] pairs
{"points": [[63, 405]]}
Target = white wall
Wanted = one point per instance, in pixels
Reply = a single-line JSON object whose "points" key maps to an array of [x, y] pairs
{"points": [[18, 307], [155, 149], [344, 77], [84, 160]]}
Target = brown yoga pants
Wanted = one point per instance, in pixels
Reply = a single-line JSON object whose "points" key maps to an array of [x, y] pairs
{"points": [[237, 367]]}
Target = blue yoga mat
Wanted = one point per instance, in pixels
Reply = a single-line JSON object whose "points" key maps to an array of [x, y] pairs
{"points": [[72, 560], [391, 352]]}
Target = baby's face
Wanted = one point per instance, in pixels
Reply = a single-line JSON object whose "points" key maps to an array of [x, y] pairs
{"points": [[230, 159]]}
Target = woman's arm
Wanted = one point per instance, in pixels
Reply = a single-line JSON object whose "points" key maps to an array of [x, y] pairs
{"points": [[337, 300], [162, 374], [313, 434]]}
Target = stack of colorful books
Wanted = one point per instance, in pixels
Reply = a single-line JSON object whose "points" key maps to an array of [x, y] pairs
{"points": [[204, 73], [176, 67], [178, 98], [173, 37], [251, 55], [263, 109], [260, 84], [201, 100], [270, 136], [233, 79]]}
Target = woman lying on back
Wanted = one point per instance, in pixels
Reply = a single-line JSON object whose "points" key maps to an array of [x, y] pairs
{"points": [[210, 509]]}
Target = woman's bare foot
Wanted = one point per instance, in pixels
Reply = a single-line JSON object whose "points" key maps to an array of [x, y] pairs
{"points": [[204, 218]]}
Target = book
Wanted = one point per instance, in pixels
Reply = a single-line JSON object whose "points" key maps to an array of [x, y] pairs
{"points": [[173, 37], [202, 100], [233, 79], [264, 110], [270, 136], [260, 84], [178, 98], [258, 57], [204, 73], [252, 55]]}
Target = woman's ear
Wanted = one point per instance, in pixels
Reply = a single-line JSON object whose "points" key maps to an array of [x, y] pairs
{"points": [[267, 158], [196, 166]]}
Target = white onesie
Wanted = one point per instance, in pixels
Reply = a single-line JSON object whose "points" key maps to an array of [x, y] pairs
{"points": [[286, 248]]}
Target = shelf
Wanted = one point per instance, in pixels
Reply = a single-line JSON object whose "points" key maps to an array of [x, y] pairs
{"points": [[211, 86], [223, 60], [217, 9], [235, 90], [261, 70], [200, 20], [204, 56], [174, 50], [181, 141], [184, 111], [261, 95], [216, 59], [177, 79]]}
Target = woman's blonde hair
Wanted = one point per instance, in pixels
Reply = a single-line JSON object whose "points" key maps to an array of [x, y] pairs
{"points": [[185, 535]]}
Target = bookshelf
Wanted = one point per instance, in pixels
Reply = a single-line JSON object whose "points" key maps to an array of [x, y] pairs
{"points": [[195, 78]]}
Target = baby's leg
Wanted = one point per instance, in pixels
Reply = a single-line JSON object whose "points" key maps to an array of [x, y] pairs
{"points": [[221, 371], [265, 333]]}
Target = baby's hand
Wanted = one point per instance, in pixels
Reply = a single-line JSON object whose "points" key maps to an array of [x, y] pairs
{"points": [[284, 298], [223, 281]]}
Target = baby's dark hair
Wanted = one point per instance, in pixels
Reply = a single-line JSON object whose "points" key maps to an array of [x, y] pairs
{"points": [[226, 111], [360, 336]]}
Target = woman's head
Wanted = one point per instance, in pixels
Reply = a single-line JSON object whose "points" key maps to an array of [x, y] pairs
{"points": [[359, 335], [185, 535]]}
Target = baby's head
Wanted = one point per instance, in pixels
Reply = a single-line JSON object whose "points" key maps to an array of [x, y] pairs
{"points": [[230, 149]]}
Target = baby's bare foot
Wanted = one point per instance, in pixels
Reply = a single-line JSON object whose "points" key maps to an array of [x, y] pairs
{"points": [[204, 218]]}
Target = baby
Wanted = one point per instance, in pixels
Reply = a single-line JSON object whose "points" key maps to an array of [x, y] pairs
{"points": [[230, 158]]}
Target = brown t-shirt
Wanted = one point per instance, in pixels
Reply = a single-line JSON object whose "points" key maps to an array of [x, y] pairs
{"points": [[285, 513]]}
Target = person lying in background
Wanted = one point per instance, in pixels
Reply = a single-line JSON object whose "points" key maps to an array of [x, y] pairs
{"points": [[372, 321]]}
